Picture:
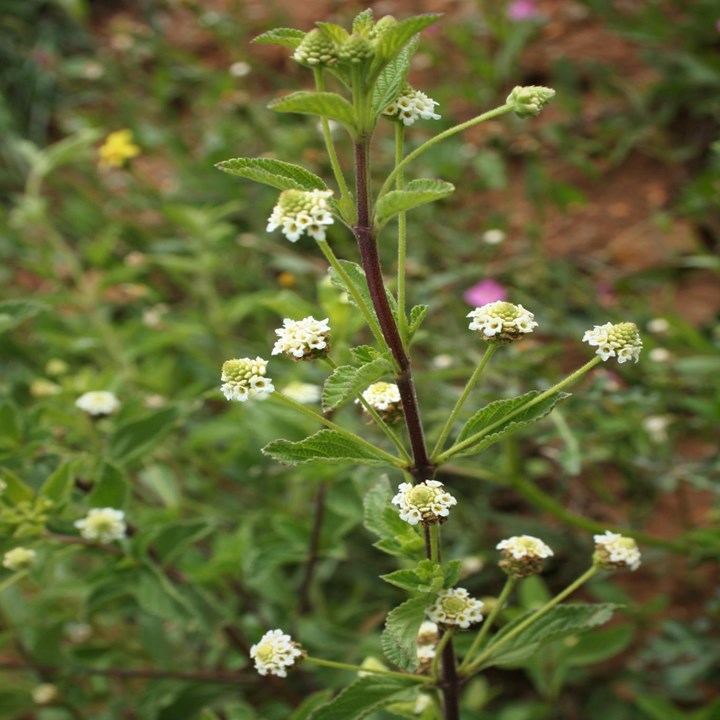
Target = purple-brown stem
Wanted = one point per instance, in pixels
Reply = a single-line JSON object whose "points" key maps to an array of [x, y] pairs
{"points": [[304, 605]]}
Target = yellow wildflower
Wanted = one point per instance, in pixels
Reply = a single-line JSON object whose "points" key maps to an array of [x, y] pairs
{"points": [[117, 148]]}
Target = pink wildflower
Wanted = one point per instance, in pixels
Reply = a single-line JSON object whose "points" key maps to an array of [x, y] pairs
{"points": [[522, 10], [484, 292]]}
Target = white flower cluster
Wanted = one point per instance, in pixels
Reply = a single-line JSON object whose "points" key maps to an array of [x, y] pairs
{"points": [[621, 340], [303, 339], [275, 652], [523, 555], [424, 503], [244, 378], [455, 607], [103, 525], [501, 321], [382, 395], [301, 211], [98, 403], [303, 393], [616, 552], [427, 640], [411, 105], [18, 558]]}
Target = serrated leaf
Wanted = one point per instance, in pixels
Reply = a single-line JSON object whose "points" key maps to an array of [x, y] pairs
{"points": [[13, 312], [337, 33], [326, 104], [417, 192], [111, 487], [357, 277], [426, 577], [392, 41], [363, 697], [287, 37], [325, 446], [137, 438], [417, 314], [399, 639], [276, 173], [376, 499], [347, 381], [392, 79], [503, 417], [363, 354], [559, 622]]}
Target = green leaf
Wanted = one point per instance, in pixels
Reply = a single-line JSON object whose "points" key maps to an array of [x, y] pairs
{"points": [[347, 381], [337, 33], [391, 80], [493, 416], [417, 315], [399, 639], [326, 104], [59, 486], [426, 577], [173, 539], [287, 37], [363, 354], [561, 621], [16, 491], [325, 446], [314, 701], [658, 709], [13, 312], [111, 487], [451, 573], [417, 192], [10, 425], [392, 41], [364, 696], [598, 646], [357, 277], [276, 173], [138, 437]]}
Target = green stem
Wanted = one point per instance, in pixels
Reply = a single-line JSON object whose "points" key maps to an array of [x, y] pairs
{"points": [[15, 577], [505, 639], [354, 292], [397, 462], [485, 629], [434, 140], [520, 409], [378, 420], [463, 397], [357, 668], [402, 237], [435, 542], [435, 667]]}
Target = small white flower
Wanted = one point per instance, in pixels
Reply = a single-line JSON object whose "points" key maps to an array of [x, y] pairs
{"points": [[44, 694], [424, 503], [382, 395], [412, 105], [19, 558], [98, 402], [523, 555], [301, 211], [660, 355], [658, 325], [303, 339], [502, 322], [102, 525], [656, 426], [616, 552], [455, 607], [621, 341], [275, 652], [494, 236], [244, 378], [303, 393], [3, 486], [240, 69]]}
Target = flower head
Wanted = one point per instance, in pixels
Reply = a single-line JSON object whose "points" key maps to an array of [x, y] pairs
{"points": [[616, 552], [523, 555], [455, 607], [502, 322], [275, 652], [301, 211], [103, 525], [621, 341], [410, 105], [117, 148], [424, 503], [98, 403], [18, 558], [522, 10], [305, 339], [244, 378], [529, 101], [385, 398]]}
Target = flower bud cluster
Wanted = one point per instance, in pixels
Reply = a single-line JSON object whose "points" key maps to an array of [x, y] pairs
{"points": [[305, 339], [529, 101], [425, 503], [244, 378], [621, 340], [385, 398], [455, 608], [502, 322], [616, 552], [103, 525], [411, 105], [427, 640], [301, 211], [523, 555], [275, 652], [316, 49]]}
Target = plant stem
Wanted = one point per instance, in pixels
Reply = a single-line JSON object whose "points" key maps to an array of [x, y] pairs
{"points": [[442, 136], [494, 647], [485, 629], [521, 408], [402, 236], [435, 542], [357, 668], [397, 462], [304, 605], [451, 683], [435, 667], [463, 397]]}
